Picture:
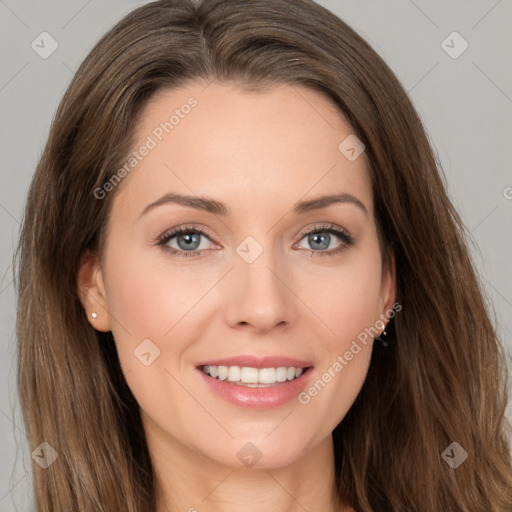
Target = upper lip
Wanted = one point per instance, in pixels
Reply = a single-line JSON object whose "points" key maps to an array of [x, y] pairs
{"points": [[257, 362]]}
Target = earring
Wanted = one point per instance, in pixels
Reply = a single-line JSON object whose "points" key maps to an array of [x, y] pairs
{"points": [[384, 343], [94, 315]]}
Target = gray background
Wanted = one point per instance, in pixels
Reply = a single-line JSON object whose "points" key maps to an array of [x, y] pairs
{"points": [[465, 104]]}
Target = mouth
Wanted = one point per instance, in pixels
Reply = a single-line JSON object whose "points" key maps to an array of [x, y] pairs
{"points": [[252, 377], [259, 383]]}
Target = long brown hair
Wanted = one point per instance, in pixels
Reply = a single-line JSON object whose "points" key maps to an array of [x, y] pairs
{"points": [[442, 378]]}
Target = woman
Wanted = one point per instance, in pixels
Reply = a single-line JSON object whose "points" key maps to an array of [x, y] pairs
{"points": [[181, 344]]}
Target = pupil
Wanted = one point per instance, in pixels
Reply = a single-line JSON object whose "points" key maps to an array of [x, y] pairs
{"points": [[325, 238], [190, 239]]}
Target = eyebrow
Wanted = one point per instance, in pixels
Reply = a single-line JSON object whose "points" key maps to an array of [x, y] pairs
{"points": [[218, 208]]}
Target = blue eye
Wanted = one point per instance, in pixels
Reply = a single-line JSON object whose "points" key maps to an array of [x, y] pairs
{"points": [[188, 241], [320, 238]]}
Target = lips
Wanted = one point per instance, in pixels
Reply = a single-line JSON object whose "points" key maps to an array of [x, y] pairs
{"points": [[257, 362], [257, 396]]}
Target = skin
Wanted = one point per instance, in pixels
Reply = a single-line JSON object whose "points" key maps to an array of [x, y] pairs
{"points": [[259, 153]]}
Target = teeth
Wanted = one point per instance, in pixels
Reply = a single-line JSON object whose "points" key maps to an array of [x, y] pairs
{"points": [[267, 376], [249, 375], [246, 375], [281, 374], [234, 374], [223, 372]]}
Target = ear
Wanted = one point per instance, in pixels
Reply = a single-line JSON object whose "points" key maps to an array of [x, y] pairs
{"points": [[92, 292], [388, 284]]}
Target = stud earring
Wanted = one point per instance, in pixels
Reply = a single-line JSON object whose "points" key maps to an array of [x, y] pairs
{"points": [[94, 315]]}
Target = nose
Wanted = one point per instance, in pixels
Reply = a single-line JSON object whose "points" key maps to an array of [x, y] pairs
{"points": [[259, 294]]}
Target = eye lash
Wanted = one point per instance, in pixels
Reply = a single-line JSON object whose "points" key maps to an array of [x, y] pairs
{"points": [[344, 236], [163, 239], [168, 235], [347, 240]]}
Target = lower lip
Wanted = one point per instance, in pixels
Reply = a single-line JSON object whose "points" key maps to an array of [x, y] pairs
{"points": [[258, 398]]}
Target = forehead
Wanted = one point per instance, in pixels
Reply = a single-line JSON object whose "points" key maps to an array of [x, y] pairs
{"points": [[246, 148]]}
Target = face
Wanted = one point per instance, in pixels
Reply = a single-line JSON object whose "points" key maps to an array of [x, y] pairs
{"points": [[262, 278]]}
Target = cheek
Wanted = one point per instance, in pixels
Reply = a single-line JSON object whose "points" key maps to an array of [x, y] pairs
{"points": [[153, 304], [346, 299], [148, 296], [347, 302]]}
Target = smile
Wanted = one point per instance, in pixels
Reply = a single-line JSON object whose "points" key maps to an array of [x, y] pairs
{"points": [[264, 387], [253, 377]]}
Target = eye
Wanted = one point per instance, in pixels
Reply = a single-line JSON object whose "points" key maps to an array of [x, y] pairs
{"points": [[187, 243], [320, 239]]}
